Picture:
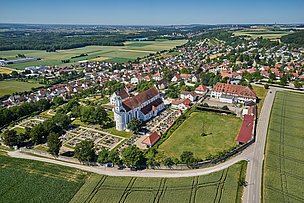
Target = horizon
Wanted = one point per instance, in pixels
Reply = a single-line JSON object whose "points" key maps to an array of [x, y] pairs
{"points": [[157, 13]]}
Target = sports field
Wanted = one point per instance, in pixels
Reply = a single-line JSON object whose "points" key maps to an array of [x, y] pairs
{"points": [[8, 87], [284, 163], [221, 133], [22, 180], [130, 51], [222, 186]]}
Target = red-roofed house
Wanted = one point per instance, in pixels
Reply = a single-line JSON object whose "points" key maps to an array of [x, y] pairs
{"points": [[247, 130], [232, 93], [202, 89], [151, 139]]}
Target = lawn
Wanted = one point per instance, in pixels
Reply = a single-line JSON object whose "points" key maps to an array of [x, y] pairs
{"points": [[130, 51], [22, 180], [261, 94], [221, 133], [284, 162], [8, 87], [220, 186]]}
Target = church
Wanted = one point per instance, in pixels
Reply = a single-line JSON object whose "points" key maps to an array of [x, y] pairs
{"points": [[143, 107]]}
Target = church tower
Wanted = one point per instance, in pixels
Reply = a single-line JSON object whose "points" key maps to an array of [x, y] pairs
{"points": [[119, 114]]}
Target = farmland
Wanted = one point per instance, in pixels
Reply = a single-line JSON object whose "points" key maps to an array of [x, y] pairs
{"points": [[31, 181], [284, 163], [130, 51], [222, 186], [220, 130], [262, 32], [8, 87]]}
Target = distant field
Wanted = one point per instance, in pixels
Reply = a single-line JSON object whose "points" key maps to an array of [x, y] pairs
{"points": [[265, 33], [284, 162], [8, 87], [22, 180], [221, 186], [130, 51], [221, 133]]}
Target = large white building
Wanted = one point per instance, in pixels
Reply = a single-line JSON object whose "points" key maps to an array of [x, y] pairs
{"points": [[232, 93], [143, 107]]}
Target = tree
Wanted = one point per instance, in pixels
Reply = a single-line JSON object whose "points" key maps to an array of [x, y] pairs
{"points": [[62, 120], [38, 134], [114, 157], [297, 84], [188, 158], [10, 138], [58, 101], [168, 162], [84, 151], [266, 86], [135, 125], [103, 156], [132, 156], [95, 115], [54, 144], [225, 108]]}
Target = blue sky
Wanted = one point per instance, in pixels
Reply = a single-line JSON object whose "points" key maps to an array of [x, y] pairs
{"points": [[153, 12]]}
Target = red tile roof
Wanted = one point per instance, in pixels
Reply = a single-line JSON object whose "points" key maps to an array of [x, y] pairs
{"points": [[202, 88], [246, 131], [122, 93], [152, 106], [139, 99], [151, 139], [234, 89]]}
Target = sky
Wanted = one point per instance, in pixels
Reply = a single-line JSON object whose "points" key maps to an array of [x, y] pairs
{"points": [[151, 12]]}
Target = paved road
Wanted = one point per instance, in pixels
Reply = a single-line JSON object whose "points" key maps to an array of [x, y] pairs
{"points": [[252, 193], [144, 173]]}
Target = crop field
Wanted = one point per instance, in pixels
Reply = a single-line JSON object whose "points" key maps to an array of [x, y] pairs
{"points": [[8, 87], [284, 163], [220, 130], [5, 70], [222, 186], [265, 33], [130, 51], [22, 180]]}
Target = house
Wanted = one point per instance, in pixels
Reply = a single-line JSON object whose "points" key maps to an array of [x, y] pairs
{"points": [[191, 95], [143, 106], [176, 78], [247, 130], [123, 93], [201, 89], [151, 139], [229, 93], [181, 104], [157, 76], [162, 84]]}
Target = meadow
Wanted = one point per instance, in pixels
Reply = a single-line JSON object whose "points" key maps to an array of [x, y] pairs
{"points": [[120, 54], [32, 181], [8, 87], [261, 94], [221, 131], [222, 186], [284, 162]]}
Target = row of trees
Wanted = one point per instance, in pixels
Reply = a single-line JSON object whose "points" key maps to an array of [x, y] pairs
{"points": [[7, 115]]}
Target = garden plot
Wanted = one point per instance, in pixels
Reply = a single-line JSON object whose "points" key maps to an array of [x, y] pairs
{"points": [[101, 139]]}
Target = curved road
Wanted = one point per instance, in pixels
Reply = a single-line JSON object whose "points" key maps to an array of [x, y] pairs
{"points": [[254, 154]]}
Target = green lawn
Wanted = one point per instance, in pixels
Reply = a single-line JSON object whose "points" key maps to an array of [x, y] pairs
{"points": [[261, 94], [284, 162], [220, 186], [130, 51], [22, 180], [8, 87], [221, 133]]}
